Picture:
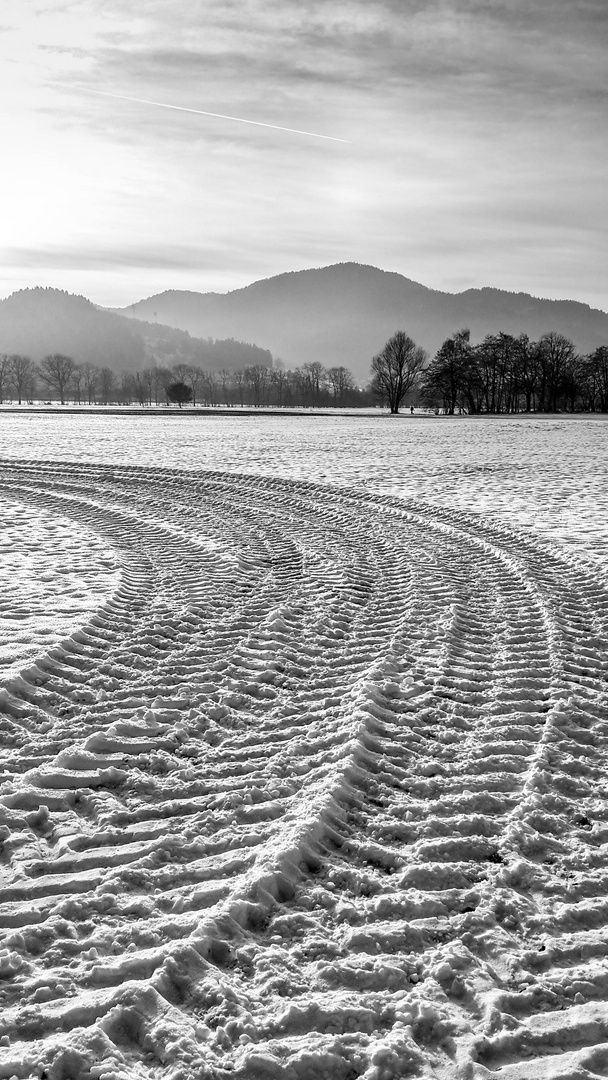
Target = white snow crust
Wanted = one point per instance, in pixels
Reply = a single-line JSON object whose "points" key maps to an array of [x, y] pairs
{"points": [[304, 734]]}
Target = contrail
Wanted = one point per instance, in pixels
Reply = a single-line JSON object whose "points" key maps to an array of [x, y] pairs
{"points": [[199, 112]]}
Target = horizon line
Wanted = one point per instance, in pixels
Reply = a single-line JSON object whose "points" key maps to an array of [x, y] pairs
{"points": [[309, 269]]}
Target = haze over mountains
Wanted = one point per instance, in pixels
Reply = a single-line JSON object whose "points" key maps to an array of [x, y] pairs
{"points": [[343, 314], [35, 322], [338, 315]]}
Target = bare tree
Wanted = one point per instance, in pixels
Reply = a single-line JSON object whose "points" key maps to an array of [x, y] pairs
{"points": [[597, 378], [20, 373], [5, 373], [526, 361], [90, 375], [194, 377], [257, 377], [225, 379], [239, 383], [142, 386], [396, 369], [126, 387], [149, 376], [209, 386], [313, 381], [450, 381], [340, 382], [279, 382], [107, 384], [181, 371], [56, 370], [161, 376], [556, 353], [77, 381]]}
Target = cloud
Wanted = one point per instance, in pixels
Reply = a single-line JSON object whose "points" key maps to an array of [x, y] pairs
{"points": [[352, 69], [163, 257], [401, 37], [475, 127], [253, 45]]}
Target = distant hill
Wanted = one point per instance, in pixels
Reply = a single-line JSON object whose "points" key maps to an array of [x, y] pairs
{"points": [[35, 322], [343, 314]]}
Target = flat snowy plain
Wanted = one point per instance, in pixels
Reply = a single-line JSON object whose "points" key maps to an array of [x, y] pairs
{"points": [[305, 746]]}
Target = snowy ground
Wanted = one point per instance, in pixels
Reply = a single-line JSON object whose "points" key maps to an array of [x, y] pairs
{"points": [[305, 730]]}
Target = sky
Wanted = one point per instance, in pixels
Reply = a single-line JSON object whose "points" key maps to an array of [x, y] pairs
{"points": [[461, 143]]}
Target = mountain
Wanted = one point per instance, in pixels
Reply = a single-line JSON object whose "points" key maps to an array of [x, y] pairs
{"points": [[35, 322], [339, 314], [343, 314]]}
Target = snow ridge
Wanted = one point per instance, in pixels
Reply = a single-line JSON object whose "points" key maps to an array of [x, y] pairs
{"points": [[318, 789]]}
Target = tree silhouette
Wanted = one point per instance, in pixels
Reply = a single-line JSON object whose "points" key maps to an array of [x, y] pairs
{"points": [[21, 371], [5, 373], [340, 382], [396, 369], [179, 392], [56, 370]]}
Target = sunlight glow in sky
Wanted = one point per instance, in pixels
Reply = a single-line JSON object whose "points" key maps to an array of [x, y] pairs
{"points": [[475, 147]]}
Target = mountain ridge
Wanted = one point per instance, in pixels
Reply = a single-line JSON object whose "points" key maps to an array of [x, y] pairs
{"points": [[343, 314], [288, 274]]}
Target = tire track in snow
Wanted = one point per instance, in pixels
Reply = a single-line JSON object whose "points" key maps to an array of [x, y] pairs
{"points": [[318, 789]]}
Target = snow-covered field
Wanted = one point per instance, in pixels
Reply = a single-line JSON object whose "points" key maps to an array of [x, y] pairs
{"points": [[305, 746]]}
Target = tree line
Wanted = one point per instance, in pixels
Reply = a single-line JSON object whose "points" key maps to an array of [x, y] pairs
{"points": [[505, 374], [501, 374], [59, 377]]}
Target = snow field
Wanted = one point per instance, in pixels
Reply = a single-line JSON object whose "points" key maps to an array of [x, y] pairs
{"points": [[310, 783], [546, 473], [52, 575]]}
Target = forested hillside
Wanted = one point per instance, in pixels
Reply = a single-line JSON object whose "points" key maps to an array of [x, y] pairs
{"points": [[36, 322]]}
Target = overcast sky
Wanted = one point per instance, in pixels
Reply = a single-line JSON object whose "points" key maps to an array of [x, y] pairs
{"points": [[475, 147]]}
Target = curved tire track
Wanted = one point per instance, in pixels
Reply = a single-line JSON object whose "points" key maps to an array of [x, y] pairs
{"points": [[318, 790]]}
